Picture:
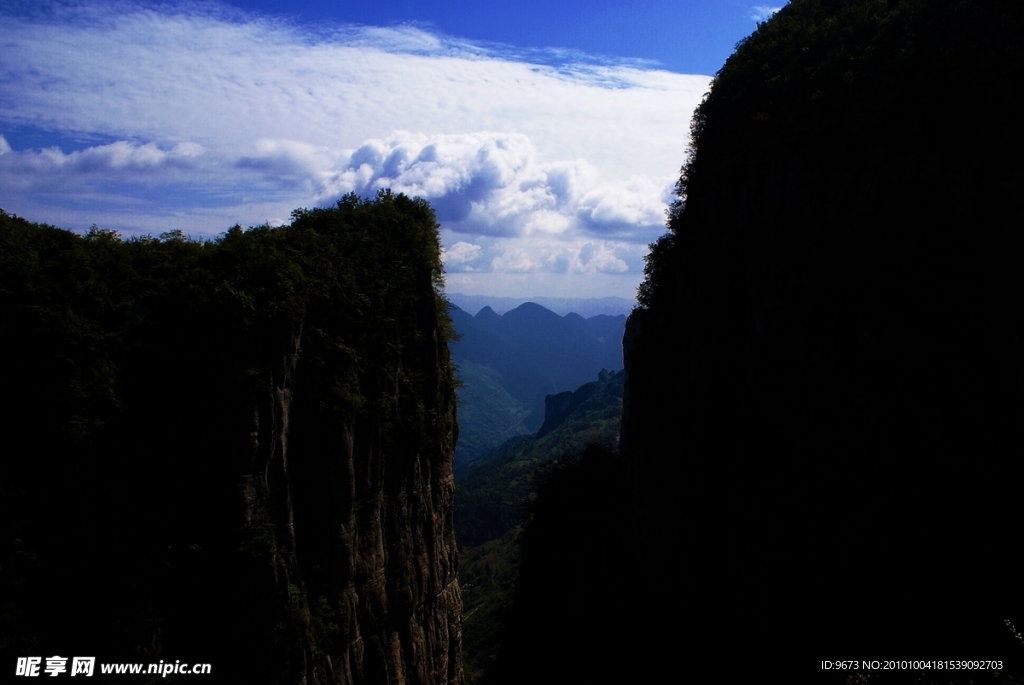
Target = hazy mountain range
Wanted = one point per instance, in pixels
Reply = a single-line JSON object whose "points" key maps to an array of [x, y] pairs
{"points": [[584, 306], [509, 363]]}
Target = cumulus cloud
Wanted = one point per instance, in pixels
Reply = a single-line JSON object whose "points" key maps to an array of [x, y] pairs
{"points": [[495, 184], [460, 256], [463, 167], [637, 201], [248, 118]]}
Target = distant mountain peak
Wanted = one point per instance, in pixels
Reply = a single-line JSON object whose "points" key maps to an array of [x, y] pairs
{"points": [[487, 313], [531, 310]]}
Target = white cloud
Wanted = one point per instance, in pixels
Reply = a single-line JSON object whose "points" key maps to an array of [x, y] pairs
{"points": [[580, 256], [243, 119], [637, 201], [460, 256], [762, 12], [491, 183], [120, 161], [147, 76]]}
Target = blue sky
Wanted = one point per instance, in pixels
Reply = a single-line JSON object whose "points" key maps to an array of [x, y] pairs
{"points": [[547, 135], [684, 36]]}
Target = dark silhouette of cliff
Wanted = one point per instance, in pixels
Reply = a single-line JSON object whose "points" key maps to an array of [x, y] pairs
{"points": [[236, 452], [824, 380], [574, 616], [823, 417]]}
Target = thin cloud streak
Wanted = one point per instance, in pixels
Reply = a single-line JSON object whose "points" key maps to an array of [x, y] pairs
{"points": [[151, 77]]}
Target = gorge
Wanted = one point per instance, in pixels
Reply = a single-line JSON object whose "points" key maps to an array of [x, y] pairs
{"points": [[240, 451]]}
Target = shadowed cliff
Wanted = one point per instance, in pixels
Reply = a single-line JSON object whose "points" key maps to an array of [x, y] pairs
{"points": [[824, 380], [240, 451], [823, 416]]}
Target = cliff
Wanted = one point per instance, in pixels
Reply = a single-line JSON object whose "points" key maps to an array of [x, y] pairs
{"points": [[243, 449], [824, 379]]}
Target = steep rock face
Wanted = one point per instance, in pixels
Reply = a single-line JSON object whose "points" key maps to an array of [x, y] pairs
{"points": [[401, 553], [824, 380], [245, 446], [390, 548]]}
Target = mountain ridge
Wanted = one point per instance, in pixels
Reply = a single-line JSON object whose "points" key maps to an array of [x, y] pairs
{"points": [[508, 364], [584, 306]]}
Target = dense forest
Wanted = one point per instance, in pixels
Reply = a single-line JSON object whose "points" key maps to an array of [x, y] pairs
{"points": [[235, 451]]}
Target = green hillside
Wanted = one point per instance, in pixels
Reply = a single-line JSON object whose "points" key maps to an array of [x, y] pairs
{"points": [[488, 414]]}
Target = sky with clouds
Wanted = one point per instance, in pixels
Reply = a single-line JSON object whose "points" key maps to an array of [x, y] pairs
{"points": [[547, 136]]}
